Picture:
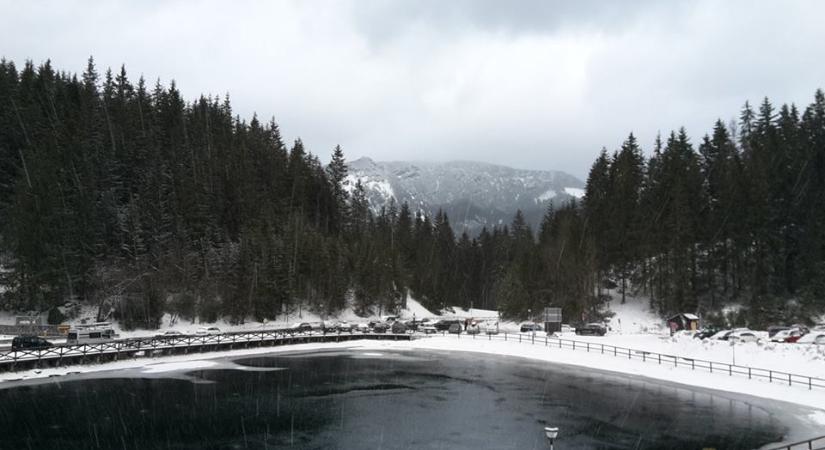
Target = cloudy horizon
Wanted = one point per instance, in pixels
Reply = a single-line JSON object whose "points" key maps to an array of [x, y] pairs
{"points": [[535, 84]]}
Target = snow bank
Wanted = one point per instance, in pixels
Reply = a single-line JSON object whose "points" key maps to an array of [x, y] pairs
{"points": [[682, 375], [634, 316], [162, 364], [181, 365], [759, 388]]}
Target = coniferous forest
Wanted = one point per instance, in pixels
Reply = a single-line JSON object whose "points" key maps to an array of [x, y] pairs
{"points": [[126, 195]]}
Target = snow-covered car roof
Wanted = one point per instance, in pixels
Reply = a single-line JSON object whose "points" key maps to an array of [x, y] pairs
{"points": [[720, 334], [814, 337], [739, 331]]}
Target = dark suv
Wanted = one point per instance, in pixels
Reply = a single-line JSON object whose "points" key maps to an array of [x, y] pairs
{"points": [[445, 324], [29, 342], [530, 327], [591, 329]]}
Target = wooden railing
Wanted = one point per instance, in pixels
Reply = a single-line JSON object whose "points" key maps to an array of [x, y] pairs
{"points": [[772, 376], [817, 443], [145, 346]]}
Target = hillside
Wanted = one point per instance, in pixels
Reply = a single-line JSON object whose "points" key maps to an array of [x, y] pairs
{"points": [[473, 194]]}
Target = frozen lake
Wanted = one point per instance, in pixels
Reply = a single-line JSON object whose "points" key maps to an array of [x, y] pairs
{"points": [[368, 399]]}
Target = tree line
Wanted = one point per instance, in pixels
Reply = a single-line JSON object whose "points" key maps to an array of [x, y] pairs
{"points": [[126, 196], [735, 220]]}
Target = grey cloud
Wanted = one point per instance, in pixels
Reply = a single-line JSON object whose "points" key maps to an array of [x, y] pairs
{"points": [[530, 84], [383, 20]]}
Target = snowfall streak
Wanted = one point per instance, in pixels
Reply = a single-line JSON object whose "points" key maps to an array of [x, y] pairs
{"points": [[63, 355]]}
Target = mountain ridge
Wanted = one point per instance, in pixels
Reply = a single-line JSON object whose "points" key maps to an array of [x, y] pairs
{"points": [[474, 194]]}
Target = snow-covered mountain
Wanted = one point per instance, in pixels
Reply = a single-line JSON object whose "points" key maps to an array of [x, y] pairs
{"points": [[473, 194]]}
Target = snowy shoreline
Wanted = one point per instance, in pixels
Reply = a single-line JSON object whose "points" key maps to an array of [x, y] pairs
{"points": [[757, 388]]}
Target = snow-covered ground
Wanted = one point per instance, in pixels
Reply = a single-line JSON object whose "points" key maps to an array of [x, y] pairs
{"points": [[633, 326]]}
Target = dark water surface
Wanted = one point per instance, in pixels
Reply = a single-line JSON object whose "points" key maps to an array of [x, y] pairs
{"points": [[355, 399]]}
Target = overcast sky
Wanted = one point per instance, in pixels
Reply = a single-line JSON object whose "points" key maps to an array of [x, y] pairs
{"points": [[532, 84]]}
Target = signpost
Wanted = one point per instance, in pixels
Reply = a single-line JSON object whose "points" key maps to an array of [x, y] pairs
{"points": [[552, 320]]}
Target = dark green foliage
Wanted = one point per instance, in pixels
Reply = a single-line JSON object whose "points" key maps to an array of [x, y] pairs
{"points": [[115, 194], [738, 221], [55, 316]]}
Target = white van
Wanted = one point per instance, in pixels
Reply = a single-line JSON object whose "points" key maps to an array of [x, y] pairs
{"points": [[91, 334]]}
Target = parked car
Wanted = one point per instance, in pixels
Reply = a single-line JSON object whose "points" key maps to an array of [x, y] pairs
{"points": [[398, 327], [775, 329], [90, 334], [412, 324], [565, 328], [743, 336], [302, 327], [343, 327], [490, 327], [473, 328], [815, 336], [705, 333], [455, 328], [29, 343], [530, 327], [208, 331], [168, 334], [721, 335], [362, 328], [591, 329], [445, 324], [428, 329], [380, 327], [789, 335], [724, 335]]}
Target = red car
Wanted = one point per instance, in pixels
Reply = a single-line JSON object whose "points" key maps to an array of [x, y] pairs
{"points": [[790, 335]]}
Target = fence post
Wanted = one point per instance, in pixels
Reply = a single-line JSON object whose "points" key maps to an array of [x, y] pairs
{"points": [[730, 370], [789, 380], [660, 359], [749, 373], [602, 348], [711, 366], [644, 356], [770, 376], [588, 347]]}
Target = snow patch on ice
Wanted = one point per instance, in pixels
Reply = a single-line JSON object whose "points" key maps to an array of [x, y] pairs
{"points": [[180, 365]]}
